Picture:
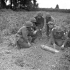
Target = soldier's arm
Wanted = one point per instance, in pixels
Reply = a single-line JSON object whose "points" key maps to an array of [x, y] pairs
{"points": [[52, 19], [51, 40], [19, 31], [18, 34], [64, 43], [66, 38]]}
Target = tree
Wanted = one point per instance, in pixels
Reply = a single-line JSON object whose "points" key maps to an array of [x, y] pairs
{"points": [[35, 3], [15, 4], [2, 4], [28, 5], [57, 6]]}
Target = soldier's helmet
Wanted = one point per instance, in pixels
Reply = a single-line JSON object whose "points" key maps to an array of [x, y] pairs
{"points": [[58, 29], [39, 14], [33, 20], [48, 15], [28, 24], [51, 24], [59, 32]]}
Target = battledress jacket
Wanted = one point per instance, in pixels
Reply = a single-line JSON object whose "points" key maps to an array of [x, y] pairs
{"points": [[23, 32], [39, 22]]}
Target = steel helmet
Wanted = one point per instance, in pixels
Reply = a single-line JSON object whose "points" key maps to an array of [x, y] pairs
{"points": [[33, 20], [48, 15], [39, 14], [28, 24]]}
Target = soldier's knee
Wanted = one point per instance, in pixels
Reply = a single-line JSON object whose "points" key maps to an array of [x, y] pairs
{"points": [[22, 44]]}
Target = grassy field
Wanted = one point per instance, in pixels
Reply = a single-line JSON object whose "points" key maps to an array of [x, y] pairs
{"points": [[33, 58]]}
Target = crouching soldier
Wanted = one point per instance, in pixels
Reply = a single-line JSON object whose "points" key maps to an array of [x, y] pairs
{"points": [[37, 32], [67, 41], [51, 25], [48, 18], [22, 36], [33, 20], [39, 20], [58, 36], [39, 24]]}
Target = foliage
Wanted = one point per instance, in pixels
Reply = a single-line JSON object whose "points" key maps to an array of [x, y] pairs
{"points": [[15, 4]]}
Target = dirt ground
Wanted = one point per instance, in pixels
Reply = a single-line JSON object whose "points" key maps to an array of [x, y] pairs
{"points": [[33, 58]]}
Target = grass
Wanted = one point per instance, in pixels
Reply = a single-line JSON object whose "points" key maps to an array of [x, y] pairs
{"points": [[64, 61], [11, 21]]}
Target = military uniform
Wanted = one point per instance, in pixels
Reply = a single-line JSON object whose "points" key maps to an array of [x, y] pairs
{"points": [[39, 24], [67, 41], [23, 35], [50, 26], [33, 20], [39, 20], [57, 36], [37, 32], [48, 18]]}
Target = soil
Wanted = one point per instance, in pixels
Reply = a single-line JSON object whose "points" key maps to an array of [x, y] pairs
{"points": [[33, 58]]}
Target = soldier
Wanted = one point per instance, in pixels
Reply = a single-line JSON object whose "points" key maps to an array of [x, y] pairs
{"points": [[39, 24], [39, 20], [58, 36], [37, 32], [51, 26], [67, 41], [23, 34], [48, 19], [33, 20]]}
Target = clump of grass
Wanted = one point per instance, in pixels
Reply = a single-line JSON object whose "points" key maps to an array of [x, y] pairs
{"points": [[19, 62], [13, 30], [61, 67], [67, 20], [1, 39], [3, 23], [6, 32]]}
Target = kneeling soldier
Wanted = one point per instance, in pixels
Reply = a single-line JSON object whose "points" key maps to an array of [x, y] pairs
{"points": [[38, 30], [39, 20], [58, 36], [23, 34], [51, 26], [48, 18]]}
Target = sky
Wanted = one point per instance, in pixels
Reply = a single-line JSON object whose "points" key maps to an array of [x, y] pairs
{"points": [[63, 4]]}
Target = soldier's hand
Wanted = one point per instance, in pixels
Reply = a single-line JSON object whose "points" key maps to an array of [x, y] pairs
{"points": [[16, 35], [62, 46], [29, 44], [35, 32]]}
